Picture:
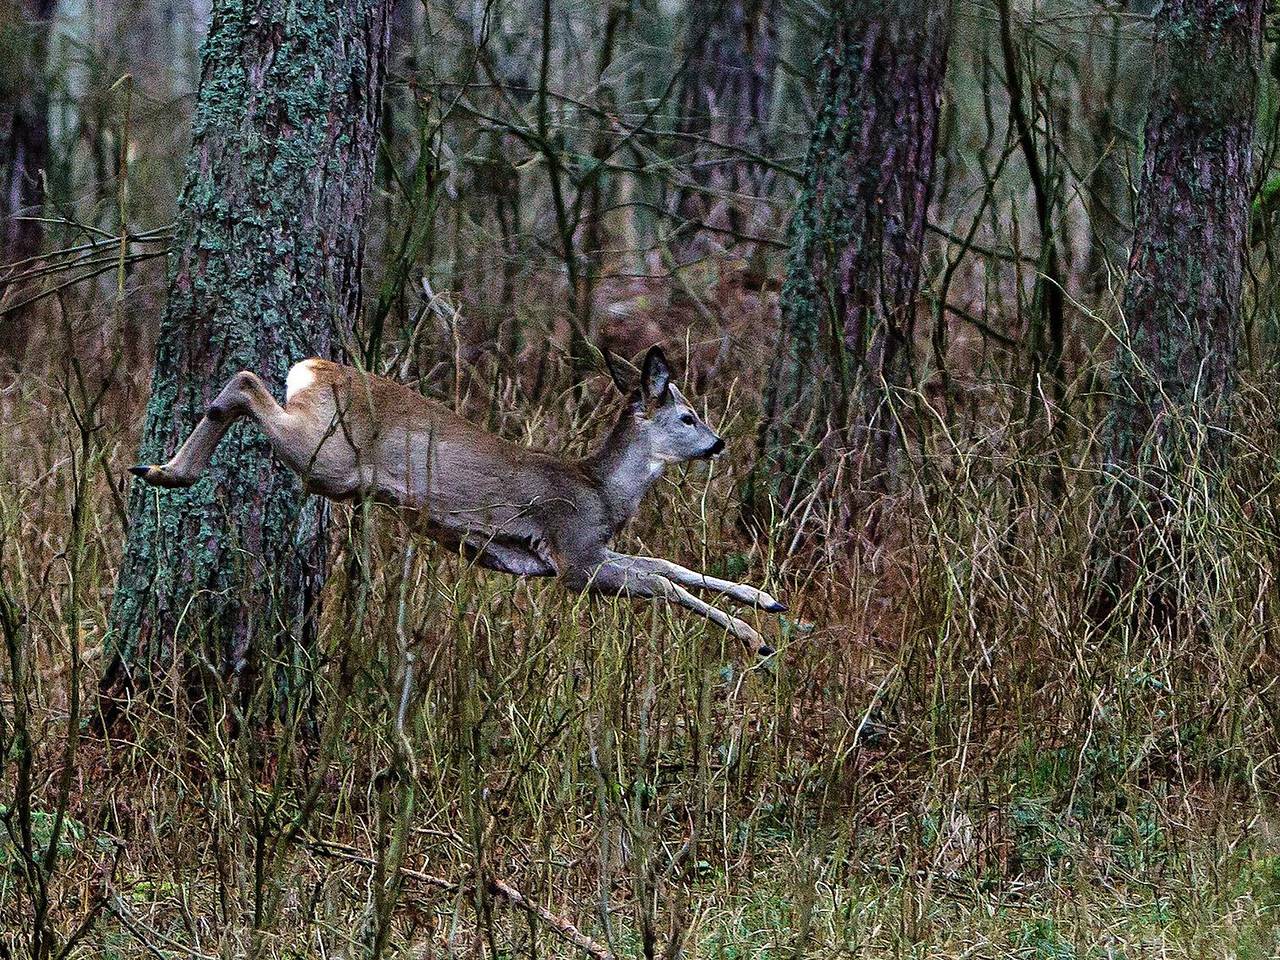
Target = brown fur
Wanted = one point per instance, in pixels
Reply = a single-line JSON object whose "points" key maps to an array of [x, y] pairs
{"points": [[526, 512]]}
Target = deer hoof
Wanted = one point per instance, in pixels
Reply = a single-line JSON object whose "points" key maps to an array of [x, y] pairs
{"points": [[764, 651], [158, 476], [775, 606]]}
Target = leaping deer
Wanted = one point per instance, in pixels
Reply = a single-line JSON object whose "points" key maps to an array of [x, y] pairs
{"points": [[525, 512]]}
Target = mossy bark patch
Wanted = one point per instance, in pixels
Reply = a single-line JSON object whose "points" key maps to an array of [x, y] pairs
{"points": [[266, 272], [853, 277]]}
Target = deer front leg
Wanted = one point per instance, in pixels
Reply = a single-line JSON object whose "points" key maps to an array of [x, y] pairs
{"points": [[612, 578], [742, 592]]}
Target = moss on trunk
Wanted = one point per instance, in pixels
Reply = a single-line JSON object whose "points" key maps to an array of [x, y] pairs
{"points": [[853, 278], [266, 271]]}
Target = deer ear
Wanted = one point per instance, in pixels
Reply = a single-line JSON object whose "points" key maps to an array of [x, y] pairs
{"points": [[656, 373], [615, 374]]}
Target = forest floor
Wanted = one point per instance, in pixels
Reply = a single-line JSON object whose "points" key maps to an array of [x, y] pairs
{"points": [[945, 759]]}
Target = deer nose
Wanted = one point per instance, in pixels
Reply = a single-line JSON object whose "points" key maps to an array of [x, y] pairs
{"points": [[716, 448]]}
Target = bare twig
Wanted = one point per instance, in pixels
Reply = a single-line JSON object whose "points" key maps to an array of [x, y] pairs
{"points": [[558, 925]]}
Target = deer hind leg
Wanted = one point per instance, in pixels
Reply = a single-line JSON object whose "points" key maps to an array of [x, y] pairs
{"points": [[741, 592], [613, 578], [244, 395]]}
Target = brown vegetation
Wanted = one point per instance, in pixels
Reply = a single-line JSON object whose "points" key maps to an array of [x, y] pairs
{"points": [[947, 757]]}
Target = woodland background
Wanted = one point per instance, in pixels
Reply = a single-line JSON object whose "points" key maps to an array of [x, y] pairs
{"points": [[982, 296]]}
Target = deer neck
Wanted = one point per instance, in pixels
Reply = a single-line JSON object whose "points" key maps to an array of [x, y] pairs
{"points": [[626, 467]]}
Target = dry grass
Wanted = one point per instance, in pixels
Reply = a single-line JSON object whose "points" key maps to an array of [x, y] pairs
{"points": [[948, 759]]}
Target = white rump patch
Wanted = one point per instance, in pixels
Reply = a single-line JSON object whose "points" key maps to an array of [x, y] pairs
{"points": [[300, 377]]}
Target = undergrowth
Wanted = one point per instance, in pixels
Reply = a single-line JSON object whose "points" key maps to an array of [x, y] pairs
{"points": [[947, 757]]}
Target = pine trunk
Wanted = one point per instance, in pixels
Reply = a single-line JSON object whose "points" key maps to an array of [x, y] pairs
{"points": [[1175, 366], [853, 279], [266, 272], [724, 109], [1182, 296]]}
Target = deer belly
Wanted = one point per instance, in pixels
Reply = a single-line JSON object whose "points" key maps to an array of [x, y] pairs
{"points": [[328, 473], [521, 560], [507, 530]]}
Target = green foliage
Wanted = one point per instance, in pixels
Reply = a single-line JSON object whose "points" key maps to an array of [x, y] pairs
{"points": [[42, 822], [1041, 940]]}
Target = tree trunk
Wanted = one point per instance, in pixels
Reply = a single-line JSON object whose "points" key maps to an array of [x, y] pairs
{"points": [[1182, 296], [24, 150], [724, 108], [849, 300], [1108, 117], [1175, 367], [266, 272]]}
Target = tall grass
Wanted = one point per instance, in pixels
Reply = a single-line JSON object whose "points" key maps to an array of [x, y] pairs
{"points": [[948, 756]]}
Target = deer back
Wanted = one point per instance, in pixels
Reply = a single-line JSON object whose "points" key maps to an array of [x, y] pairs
{"points": [[374, 437]]}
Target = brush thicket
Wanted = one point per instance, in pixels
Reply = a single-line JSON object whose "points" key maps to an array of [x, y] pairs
{"points": [[948, 755]]}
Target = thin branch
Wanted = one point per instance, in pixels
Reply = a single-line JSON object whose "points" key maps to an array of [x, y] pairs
{"points": [[558, 925]]}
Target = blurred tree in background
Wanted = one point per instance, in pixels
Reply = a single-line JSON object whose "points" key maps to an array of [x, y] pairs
{"points": [[1177, 359], [725, 98], [24, 150]]}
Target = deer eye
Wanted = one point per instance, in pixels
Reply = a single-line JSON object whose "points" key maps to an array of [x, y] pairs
{"points": [[687, 420]]}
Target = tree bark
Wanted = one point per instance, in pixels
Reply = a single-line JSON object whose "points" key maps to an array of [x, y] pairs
{"points": [[24, 148], [724, 109], [1176, 366], [266, 272], [853, 278]]}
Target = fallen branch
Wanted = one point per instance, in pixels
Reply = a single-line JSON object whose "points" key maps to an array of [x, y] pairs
{"points": [[561, 927]]}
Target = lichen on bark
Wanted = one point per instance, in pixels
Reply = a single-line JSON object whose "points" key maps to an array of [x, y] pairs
{"points": [[856, 239], [265, 272]]}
